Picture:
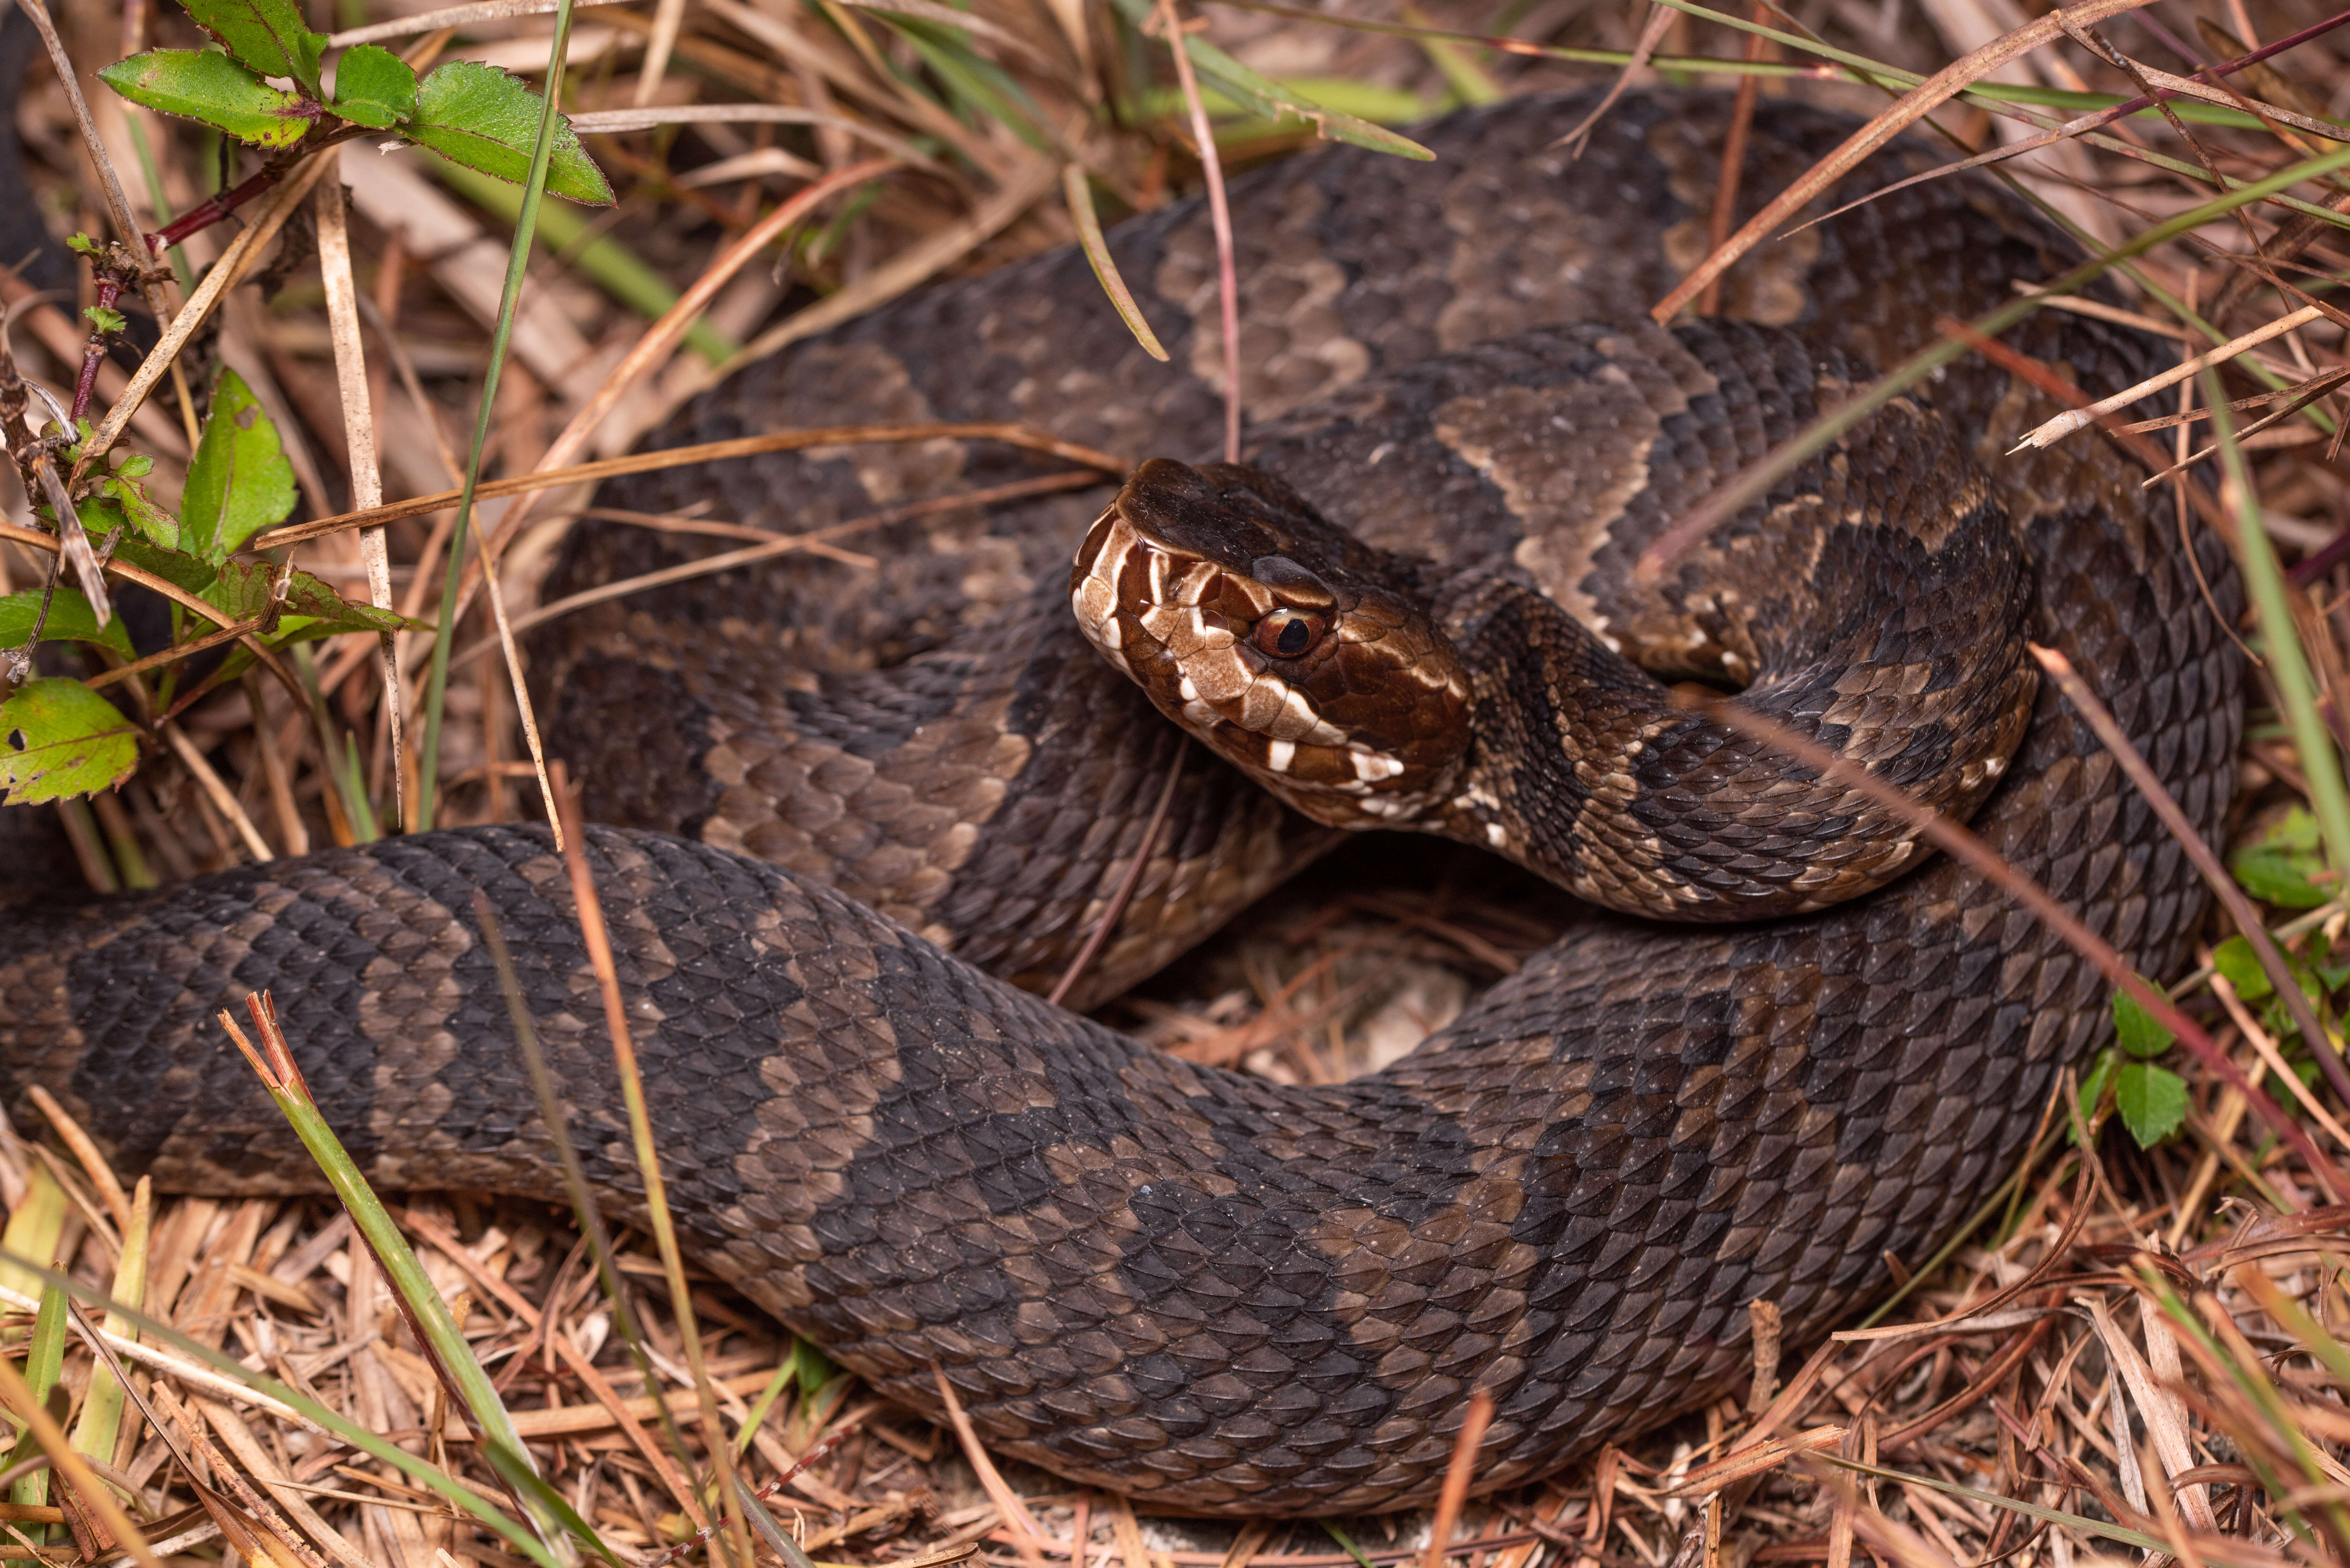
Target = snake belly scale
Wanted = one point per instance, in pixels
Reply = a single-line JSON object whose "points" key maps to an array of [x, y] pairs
{"points": [[1212, 1292]]}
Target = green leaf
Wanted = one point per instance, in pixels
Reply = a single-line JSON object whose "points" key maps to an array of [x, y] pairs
{"points": [[174, 565], [241, 589], [2277, 869], [478, 116], [70, 621], [2235, 960], [2152, 1101], [105, 320], [240, 481], [2136, 1031], [374, 87], [127, 500], [82, 244], [137, 466], [214, 88], [312, 610], [267, 36], [59, 738]]}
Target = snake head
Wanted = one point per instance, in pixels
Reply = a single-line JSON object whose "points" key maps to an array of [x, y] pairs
{"points": [[1277, 640]]}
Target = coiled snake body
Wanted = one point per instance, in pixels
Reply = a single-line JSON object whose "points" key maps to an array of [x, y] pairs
{"points": [[1209, 1291]]}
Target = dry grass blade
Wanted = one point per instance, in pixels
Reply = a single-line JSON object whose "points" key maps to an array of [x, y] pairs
{"points": [[688, 456], [1904, 112], [86, 1150], [1652, 33], [916, 264], [1127, 880], [789, 544], [1459, 1472], [1079, 195], [2240, 908], [589, 911], [662, 338], [1015, 1512], [359, 441], [2048, 432]]}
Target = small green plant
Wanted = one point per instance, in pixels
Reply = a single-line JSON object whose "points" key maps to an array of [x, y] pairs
{"points": [[2152, 1099], [60, 736], [265, 85], [471, 114]]}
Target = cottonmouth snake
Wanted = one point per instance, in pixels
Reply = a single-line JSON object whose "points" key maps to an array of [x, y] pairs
{"points": [[1210, 1291]]}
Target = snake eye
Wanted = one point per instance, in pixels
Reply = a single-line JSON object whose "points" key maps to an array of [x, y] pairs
{"points": [[1286, 633]]}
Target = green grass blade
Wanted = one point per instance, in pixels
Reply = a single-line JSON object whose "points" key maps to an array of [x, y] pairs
{"points": [[99, 1429], [156, 1331], [45, 1357], [426, 1312], [1079, 194], [533, 191], [2321, 765], [34, 1228]]}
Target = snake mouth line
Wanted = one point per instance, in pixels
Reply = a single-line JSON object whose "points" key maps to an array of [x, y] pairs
{"points": [[1243, 654]]}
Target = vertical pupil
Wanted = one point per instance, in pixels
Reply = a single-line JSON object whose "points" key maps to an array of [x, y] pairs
{"points": [[1293, 637]]}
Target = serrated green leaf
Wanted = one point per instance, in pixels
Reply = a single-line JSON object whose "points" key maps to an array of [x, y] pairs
{"points": [[70, 621], [105, 320], [2152, 1101], [2278, 869], [59, 738], [478, 116], [267, 36], [174, 567], [240, 481], [211, 87], [129, 499], [374, 87], [312, 609], [2136, 1031], [82, 244], [242, 590]]}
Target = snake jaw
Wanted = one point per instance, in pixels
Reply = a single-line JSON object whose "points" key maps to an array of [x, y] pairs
{"points": [[1328, 688]]}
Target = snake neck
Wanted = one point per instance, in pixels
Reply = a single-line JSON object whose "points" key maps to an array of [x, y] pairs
{"points": [[1594, 772]]}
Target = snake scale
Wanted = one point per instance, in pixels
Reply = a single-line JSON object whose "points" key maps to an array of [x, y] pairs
{"points": [[1215, 1292]]}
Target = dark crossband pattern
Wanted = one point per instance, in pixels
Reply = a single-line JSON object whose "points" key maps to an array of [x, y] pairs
{"points": [[914, 783]]}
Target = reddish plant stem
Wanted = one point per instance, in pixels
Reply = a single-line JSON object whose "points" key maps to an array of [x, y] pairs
{"points": [[109, 290], [213, 208]]}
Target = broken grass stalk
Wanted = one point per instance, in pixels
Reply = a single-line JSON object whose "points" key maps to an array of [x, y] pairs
{"points": [[273, 1062]]}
